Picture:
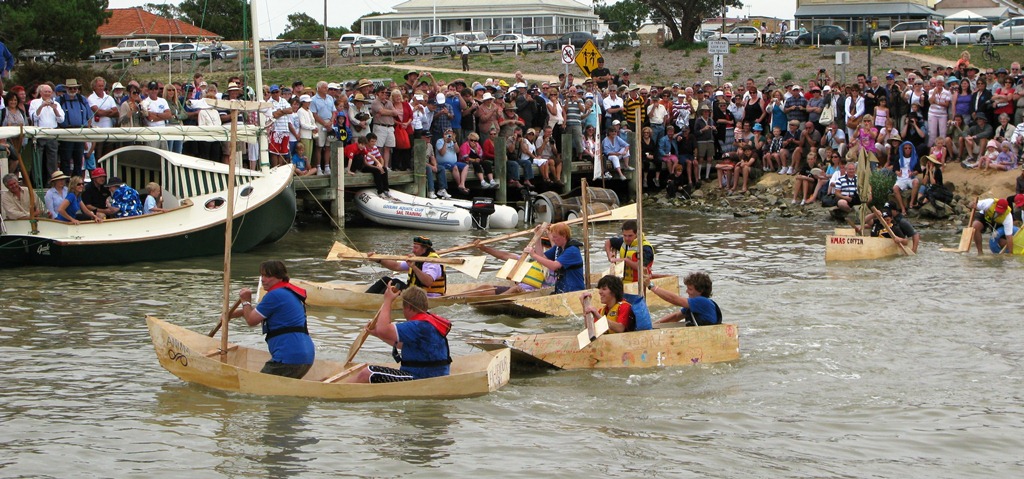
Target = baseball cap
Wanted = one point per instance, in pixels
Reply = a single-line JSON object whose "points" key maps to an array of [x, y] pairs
{"points": [[1002, 205], [1018, 201], [153, 85], [274, 88], [304, 99]]}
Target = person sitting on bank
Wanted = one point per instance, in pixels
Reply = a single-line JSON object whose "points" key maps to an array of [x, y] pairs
{"points": [[564, 258], [623, 249], [124, 200], [698, 309], [422, 339], [430, 276], [988, 214], [537, 277], [621, 318], [282, 314], [17, 203]]}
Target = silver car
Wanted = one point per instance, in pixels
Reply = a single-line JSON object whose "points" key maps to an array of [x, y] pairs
{"points": [[509, 42], [437, 44], [366, 45]]}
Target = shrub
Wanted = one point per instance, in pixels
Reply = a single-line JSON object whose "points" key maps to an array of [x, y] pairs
{"points": [[785, 76], [881, 186], [33, 73]]}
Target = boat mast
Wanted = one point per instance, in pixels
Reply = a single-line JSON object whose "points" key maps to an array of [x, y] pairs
{"points": [[258, 75]]}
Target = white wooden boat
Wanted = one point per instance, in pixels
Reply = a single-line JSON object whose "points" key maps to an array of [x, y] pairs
{"points": [[660, 347], [352, 297], [846, 245], [565, 304], [415, 212], [194, 192], [195, 358]]}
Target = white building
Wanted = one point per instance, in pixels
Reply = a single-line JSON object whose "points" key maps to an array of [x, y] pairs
{"points": [[418, 18]]}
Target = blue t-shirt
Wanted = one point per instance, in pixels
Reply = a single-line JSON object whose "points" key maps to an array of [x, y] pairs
{"points": [[703, 309], [570, 276], [455, 106], [299, 162], [422, 342], [73, 207], [283, 309]]}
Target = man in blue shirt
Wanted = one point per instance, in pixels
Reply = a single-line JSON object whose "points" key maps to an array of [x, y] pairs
{"points": [[6, 61], [282, 313], [564, 258], [698, 309], [422, 339]]}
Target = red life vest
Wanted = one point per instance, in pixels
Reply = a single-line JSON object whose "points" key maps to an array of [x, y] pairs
{"points": [[440, 324], [301, 293]]}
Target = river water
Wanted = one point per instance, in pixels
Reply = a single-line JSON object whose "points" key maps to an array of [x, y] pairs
{"points": [[907, 367]]}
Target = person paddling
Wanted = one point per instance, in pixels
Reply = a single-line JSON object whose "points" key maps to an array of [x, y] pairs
{"points": [[698, 309], [621, 318], [282, 314]]}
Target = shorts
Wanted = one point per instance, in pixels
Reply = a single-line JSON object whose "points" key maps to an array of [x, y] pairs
{"points": [[295, 371], [322, 138], [539, 161], [904, 183], [705, 149], [385, 135], [278, 143], [382, 374]]}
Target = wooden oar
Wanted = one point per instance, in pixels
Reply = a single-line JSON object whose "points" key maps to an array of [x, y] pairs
{"points": [[594, 329], [617, 214], [222, 320], [470, 265], [517, 275], [878, 217], [968, 235], [358, 343]]}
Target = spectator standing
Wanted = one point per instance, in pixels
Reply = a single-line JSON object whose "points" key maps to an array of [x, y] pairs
{"points": [[45, 112]]}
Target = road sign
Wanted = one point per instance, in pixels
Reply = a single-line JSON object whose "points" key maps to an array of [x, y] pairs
{"points": [[717, 73], [587, 58], [718, 47], [568, 54], [718, 64]]}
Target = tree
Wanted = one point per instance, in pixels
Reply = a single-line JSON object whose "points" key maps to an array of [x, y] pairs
{"points": [[164, 10], [684, 17], [67, 27], [302, 26], [223, 17], [625, 16]]}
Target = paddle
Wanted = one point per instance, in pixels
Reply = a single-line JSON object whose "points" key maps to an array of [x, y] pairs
{"points": [[594, 329], [878, 217], [470, 265], [358, 343], [517, 275], [618, 214], [222, 320], [968, 234]]}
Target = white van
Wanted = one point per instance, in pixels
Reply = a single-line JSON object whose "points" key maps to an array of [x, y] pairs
{"points": [[135, 47]]}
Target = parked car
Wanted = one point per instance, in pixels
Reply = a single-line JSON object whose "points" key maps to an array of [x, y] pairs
{"points": [[909, 32], [833, 34], [966, 34], [471, 37], [740, 35], [443, 44], [704, 35], [577, 39], [365, 45], [1010, 31], [41, 56], [130, 48], [222, 52], [509, 42], [184, 51], [297, 49]]}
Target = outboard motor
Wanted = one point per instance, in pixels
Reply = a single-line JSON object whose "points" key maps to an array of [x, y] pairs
{"points": [[481, 210]]}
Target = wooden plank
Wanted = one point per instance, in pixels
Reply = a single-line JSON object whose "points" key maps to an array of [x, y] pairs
{"points": [[345, 373]]}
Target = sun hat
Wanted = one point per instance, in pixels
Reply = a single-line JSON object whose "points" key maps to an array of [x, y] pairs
{"points": [[933, 159], [117, 86], [233, 86], [114, 182], [487, 96], [305, 99], [363, 83], [992, 144], [58, 175], [410, 73], [423, 240], [758, 127], [98, 172], [332, 86]]}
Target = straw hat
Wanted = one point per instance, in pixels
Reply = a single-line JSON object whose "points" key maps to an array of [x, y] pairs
{"points": [[58, 175]]}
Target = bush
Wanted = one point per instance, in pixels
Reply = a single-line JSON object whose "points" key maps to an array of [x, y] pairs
{"points": [[882, 182], [785, 77], [34, 73]]}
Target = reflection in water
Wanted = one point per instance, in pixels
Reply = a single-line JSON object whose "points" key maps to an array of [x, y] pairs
{"points": [[285, 437], [414, 435]]}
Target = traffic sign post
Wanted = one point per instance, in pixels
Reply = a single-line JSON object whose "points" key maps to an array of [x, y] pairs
{"points": [[587, 58], [718, 67], [718, 47], [568, 54]]}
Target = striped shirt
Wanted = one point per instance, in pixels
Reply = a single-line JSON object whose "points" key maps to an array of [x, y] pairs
{"points": [[847, 185], [573, 113], [632, 106]]}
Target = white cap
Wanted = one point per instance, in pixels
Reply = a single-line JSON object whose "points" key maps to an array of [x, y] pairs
{"points": [[440, 98], [304, 99], [519, 85], [418, 97], [719, 92], [827, 88], [615, 122], [333, 86], [117, 86], [487, 96]]}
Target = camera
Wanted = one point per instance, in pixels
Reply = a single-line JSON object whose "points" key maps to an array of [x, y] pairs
{"points": [[822, 70]]}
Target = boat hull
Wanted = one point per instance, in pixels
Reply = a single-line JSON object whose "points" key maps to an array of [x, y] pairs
{"points": [[194, 358], [414, 212], [856, 248], [660, 347], [566, 304], [352, 297]]}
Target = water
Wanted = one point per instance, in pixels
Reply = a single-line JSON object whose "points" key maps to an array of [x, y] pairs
{"points": [[891, 368]]}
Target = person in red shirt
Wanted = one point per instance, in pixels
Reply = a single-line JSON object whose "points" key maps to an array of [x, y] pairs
{"points": [[355, 155], [618, 310]]}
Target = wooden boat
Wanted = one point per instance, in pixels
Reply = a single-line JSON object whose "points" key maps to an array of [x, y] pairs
{"points": [[564, 304], [194, 192], [415, 212], [845, 245], [660, 347], [195, 358], [352, 297]]}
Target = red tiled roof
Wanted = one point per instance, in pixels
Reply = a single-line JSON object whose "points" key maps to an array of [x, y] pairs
{"points": [[136, 22]]}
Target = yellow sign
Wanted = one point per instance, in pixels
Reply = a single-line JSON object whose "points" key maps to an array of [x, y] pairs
{"points": [[587, 58], [757, 23]]}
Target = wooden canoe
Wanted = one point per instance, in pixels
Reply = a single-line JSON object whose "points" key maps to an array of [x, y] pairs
{"points": [[564, 304], [195, 358], [660, 347], [352, 297], [850, 247]]}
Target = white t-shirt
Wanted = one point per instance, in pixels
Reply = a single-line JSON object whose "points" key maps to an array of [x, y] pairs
{"points": [[105, 103], [158, 106]]}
